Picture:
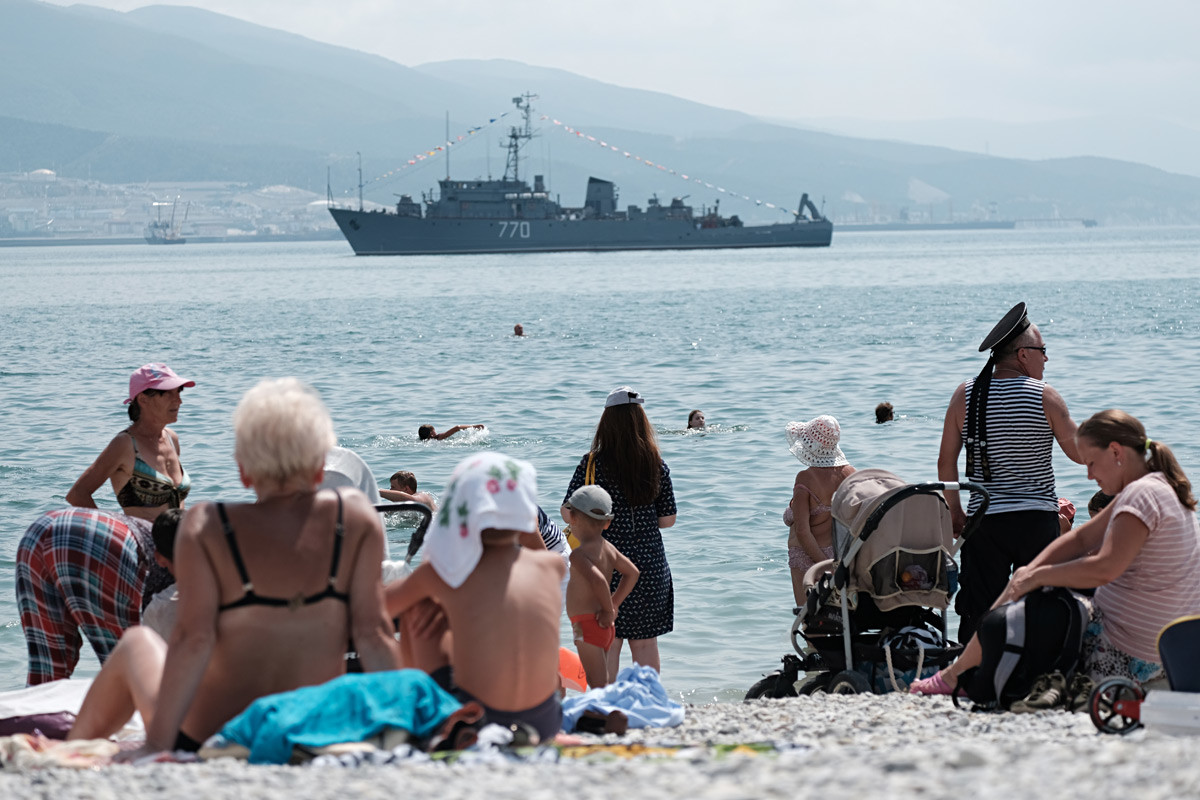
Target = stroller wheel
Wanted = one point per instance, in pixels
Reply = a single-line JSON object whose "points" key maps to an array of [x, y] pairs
{"points": [[772, 686], [817, 685], [1115, 705], [849, 682]]}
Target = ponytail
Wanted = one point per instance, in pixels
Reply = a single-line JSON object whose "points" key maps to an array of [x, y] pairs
{"points": [[1159, 458], [1114, 425]]}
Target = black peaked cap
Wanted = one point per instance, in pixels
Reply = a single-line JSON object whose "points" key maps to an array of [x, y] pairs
{"points": [[1013, 325]]}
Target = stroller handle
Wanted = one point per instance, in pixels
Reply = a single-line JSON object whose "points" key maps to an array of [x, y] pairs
{"points": [[976, 519], [418, 537]]}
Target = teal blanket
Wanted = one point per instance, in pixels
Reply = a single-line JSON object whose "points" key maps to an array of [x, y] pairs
{"points": [[350, 708]]}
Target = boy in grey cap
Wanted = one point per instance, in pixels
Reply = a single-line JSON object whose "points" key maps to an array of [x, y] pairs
{"points": [[590, 607]]}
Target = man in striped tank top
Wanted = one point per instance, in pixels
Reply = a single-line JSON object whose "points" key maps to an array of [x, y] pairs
{"points": [[1008, 418]]}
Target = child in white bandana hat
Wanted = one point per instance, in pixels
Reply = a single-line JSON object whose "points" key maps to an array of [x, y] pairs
{"points": [[502, 601]]}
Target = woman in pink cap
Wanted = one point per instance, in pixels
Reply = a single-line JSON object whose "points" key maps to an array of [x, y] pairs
{"points": [[90, 571], [142, 461], [808, 516]]}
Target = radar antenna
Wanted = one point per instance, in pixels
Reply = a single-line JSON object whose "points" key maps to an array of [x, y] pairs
{"points": [[517, 135]]}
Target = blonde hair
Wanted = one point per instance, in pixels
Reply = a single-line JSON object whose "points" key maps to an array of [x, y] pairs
{"points": [[281, 430]]}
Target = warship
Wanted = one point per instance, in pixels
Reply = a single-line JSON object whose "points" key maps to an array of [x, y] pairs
{"points": [[510, 216]]}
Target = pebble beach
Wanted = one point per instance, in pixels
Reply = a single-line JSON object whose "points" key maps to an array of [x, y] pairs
{"points": [[840, 746]]}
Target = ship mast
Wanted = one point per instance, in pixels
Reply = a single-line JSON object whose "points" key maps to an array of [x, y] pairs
{"points": [[516, 135]]}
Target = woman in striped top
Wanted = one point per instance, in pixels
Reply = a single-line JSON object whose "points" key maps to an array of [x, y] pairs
{"points": [[1142, 552]]}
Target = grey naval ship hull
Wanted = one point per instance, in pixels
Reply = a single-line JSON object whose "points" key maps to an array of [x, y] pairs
{"points": [[385, 233], [507, 215]]}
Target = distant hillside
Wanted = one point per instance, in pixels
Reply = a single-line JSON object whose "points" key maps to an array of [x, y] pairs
{"points": [[177, 93]]}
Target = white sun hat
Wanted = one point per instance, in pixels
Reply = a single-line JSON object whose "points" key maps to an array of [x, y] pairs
{"points": [[815, 442]]}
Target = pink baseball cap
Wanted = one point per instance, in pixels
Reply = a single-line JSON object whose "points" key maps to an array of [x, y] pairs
{"points": [[154, 376]]}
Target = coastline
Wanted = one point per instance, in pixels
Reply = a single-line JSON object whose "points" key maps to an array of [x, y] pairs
{"points": [[851, 746]]}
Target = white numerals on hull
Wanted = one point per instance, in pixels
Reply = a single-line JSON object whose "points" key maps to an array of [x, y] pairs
{"points": [[511, 230]]}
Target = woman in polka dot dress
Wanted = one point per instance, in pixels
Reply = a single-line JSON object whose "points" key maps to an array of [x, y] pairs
{"points": [[626, 463]]}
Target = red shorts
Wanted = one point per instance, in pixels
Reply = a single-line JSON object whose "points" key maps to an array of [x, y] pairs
{"points": [[586, 629]]}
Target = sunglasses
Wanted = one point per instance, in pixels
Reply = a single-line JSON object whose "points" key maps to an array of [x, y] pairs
{"points": [[1041, 349]]}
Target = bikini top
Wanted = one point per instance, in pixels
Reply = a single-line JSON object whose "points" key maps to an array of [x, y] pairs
{"points": [[819, 508], [148, 488], [250, 598]]}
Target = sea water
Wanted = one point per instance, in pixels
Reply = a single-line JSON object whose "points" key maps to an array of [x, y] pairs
{"points": [[754, 338]]}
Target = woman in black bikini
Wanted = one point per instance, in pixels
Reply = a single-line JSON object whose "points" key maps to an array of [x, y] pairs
{"points": [[270, 592]]}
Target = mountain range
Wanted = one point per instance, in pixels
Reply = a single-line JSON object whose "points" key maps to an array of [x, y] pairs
{"points": [[168, 93]]}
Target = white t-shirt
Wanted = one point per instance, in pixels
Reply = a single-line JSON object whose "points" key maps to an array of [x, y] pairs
{"points": [[1163, 581], [159, 615]]}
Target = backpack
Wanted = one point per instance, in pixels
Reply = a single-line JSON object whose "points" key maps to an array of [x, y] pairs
{"points": [[1023, 640]]}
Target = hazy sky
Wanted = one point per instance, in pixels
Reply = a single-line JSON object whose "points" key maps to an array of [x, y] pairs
{"points": [[1010, 60]]}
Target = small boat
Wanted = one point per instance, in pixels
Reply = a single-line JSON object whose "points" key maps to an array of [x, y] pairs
{"points": [[160, 231], [510, 216]]}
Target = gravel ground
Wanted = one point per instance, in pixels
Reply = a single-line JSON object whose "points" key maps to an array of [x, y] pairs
{"points": [[855, 747]]}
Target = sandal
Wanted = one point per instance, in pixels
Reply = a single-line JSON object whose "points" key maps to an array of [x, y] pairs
{"points": [[933, 685]]}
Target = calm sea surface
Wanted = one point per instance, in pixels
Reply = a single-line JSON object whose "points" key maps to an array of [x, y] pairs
{"points": [[755, 338]]}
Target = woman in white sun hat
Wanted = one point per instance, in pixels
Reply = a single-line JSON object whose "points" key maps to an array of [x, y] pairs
{"points": [[810, 523]]}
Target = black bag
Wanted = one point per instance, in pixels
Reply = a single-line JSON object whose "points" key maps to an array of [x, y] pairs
{"points": [[1021, 641]]}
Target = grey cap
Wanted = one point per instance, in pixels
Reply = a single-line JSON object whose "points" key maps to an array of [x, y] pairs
{"points": [[623, 395], [593, 501]]}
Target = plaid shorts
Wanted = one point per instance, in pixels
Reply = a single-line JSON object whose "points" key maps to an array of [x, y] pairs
{"points": [[79, 570]]}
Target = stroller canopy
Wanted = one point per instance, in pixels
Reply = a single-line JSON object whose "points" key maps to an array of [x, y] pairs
{"points": [[904, 558]]}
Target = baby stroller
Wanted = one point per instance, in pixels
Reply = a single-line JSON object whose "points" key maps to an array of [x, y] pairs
{"points": [[874, 617]]}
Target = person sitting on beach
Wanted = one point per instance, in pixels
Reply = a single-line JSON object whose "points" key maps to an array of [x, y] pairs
{"points": [[160, 613], [270, 592], [1142, 553], [403, 489], [1098, 502], [501, 600], [591, 606], [426, 432], [810, 532], [883, 413], [696, 420]]}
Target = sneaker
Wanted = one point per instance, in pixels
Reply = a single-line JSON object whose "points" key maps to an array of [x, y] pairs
{"points": [[1049, 691], [1079, 693]]}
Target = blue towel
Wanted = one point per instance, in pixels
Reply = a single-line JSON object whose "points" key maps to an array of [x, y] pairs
{"points": [[637, 692], [349, 708]]}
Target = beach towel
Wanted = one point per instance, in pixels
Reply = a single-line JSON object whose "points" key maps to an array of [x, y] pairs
{"points": [[25, 751], [637, 692], [57, 699], [349, 708]]}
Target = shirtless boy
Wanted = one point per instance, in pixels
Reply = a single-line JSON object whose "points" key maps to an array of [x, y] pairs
{"points": [[590, 605], [502, 601], [403, 488]]}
